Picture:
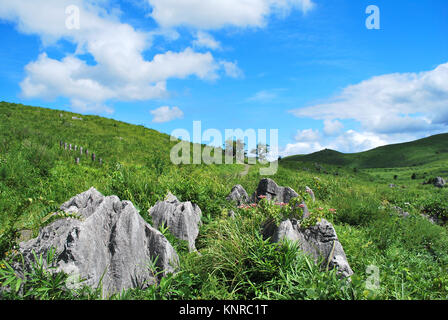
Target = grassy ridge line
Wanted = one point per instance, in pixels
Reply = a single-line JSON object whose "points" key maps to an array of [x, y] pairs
{"points": [[236, 263], [415, 153]]}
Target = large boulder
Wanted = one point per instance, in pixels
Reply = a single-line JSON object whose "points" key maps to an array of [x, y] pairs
{"points": [[319, 241], [109, 240], [238, 195], [269, 189], [183, 219]]}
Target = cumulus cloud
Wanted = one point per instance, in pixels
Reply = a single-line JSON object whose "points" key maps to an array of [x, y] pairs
{"points": [[214, 14], [391, 103], [307, 135], [309, 141], [332, 127], [205, 40], [353, 141], [166, 114], [121, 72], [231, 69], [301, 148], [390, 108]]}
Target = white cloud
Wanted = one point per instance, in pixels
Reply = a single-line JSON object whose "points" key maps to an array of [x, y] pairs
{"points": [[301, 148], [231, 69], [214, 14], [205, 40], [121, 72], [166, 114], [391, 103], [263, 96], [307, 135], [310, 141], [332, 127], [353, 141], [391, 108]]}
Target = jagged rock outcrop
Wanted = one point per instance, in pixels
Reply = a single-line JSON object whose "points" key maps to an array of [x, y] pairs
{"points": [[238, 195], [110, 240], [270, 189], [319, 241], [183, 219]]}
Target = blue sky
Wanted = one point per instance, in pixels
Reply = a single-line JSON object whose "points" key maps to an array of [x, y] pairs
{"points": [[309, 68]]}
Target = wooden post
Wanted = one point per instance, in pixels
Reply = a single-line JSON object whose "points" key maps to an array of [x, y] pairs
{"points": [[77, 160], [70, 147], [60, 143], [101, 161], [80, 150], [87, 152], [65, 145], [93, 157], [76, 147]]}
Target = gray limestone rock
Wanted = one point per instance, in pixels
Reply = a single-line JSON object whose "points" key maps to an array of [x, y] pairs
{"points": [[268, 188], [319, 241], [110, 240], [238, 195], [183, 219]]}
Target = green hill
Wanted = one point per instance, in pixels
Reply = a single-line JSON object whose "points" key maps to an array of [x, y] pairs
{"points": [[37, 175], [415, 153]]}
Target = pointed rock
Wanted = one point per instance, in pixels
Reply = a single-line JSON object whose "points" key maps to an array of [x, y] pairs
{"points": [[238, 195], [183, 219], [110, 241]]}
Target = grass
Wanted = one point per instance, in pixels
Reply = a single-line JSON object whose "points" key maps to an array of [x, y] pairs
{"points": [[411, 254]]}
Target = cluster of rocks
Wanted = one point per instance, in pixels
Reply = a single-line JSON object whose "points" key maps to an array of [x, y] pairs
{"points": [[111, 243], [105, 240], [319, 241]]}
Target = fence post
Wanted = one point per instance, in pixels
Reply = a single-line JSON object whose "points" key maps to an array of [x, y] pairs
{"points": [[77, 160], [93, 157]]}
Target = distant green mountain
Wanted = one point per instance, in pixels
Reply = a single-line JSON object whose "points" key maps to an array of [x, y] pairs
{"points": [[415, 153]]}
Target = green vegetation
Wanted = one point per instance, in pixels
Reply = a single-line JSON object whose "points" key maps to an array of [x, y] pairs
{"points": [[37, 175]]}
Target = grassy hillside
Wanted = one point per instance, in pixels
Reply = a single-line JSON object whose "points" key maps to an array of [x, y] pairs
{"points": [[36, 175], [415, 153]]}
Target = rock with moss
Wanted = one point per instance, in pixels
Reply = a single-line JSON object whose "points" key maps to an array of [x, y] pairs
{"points": [[183, 219], [110, 243], [320, 242]]}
